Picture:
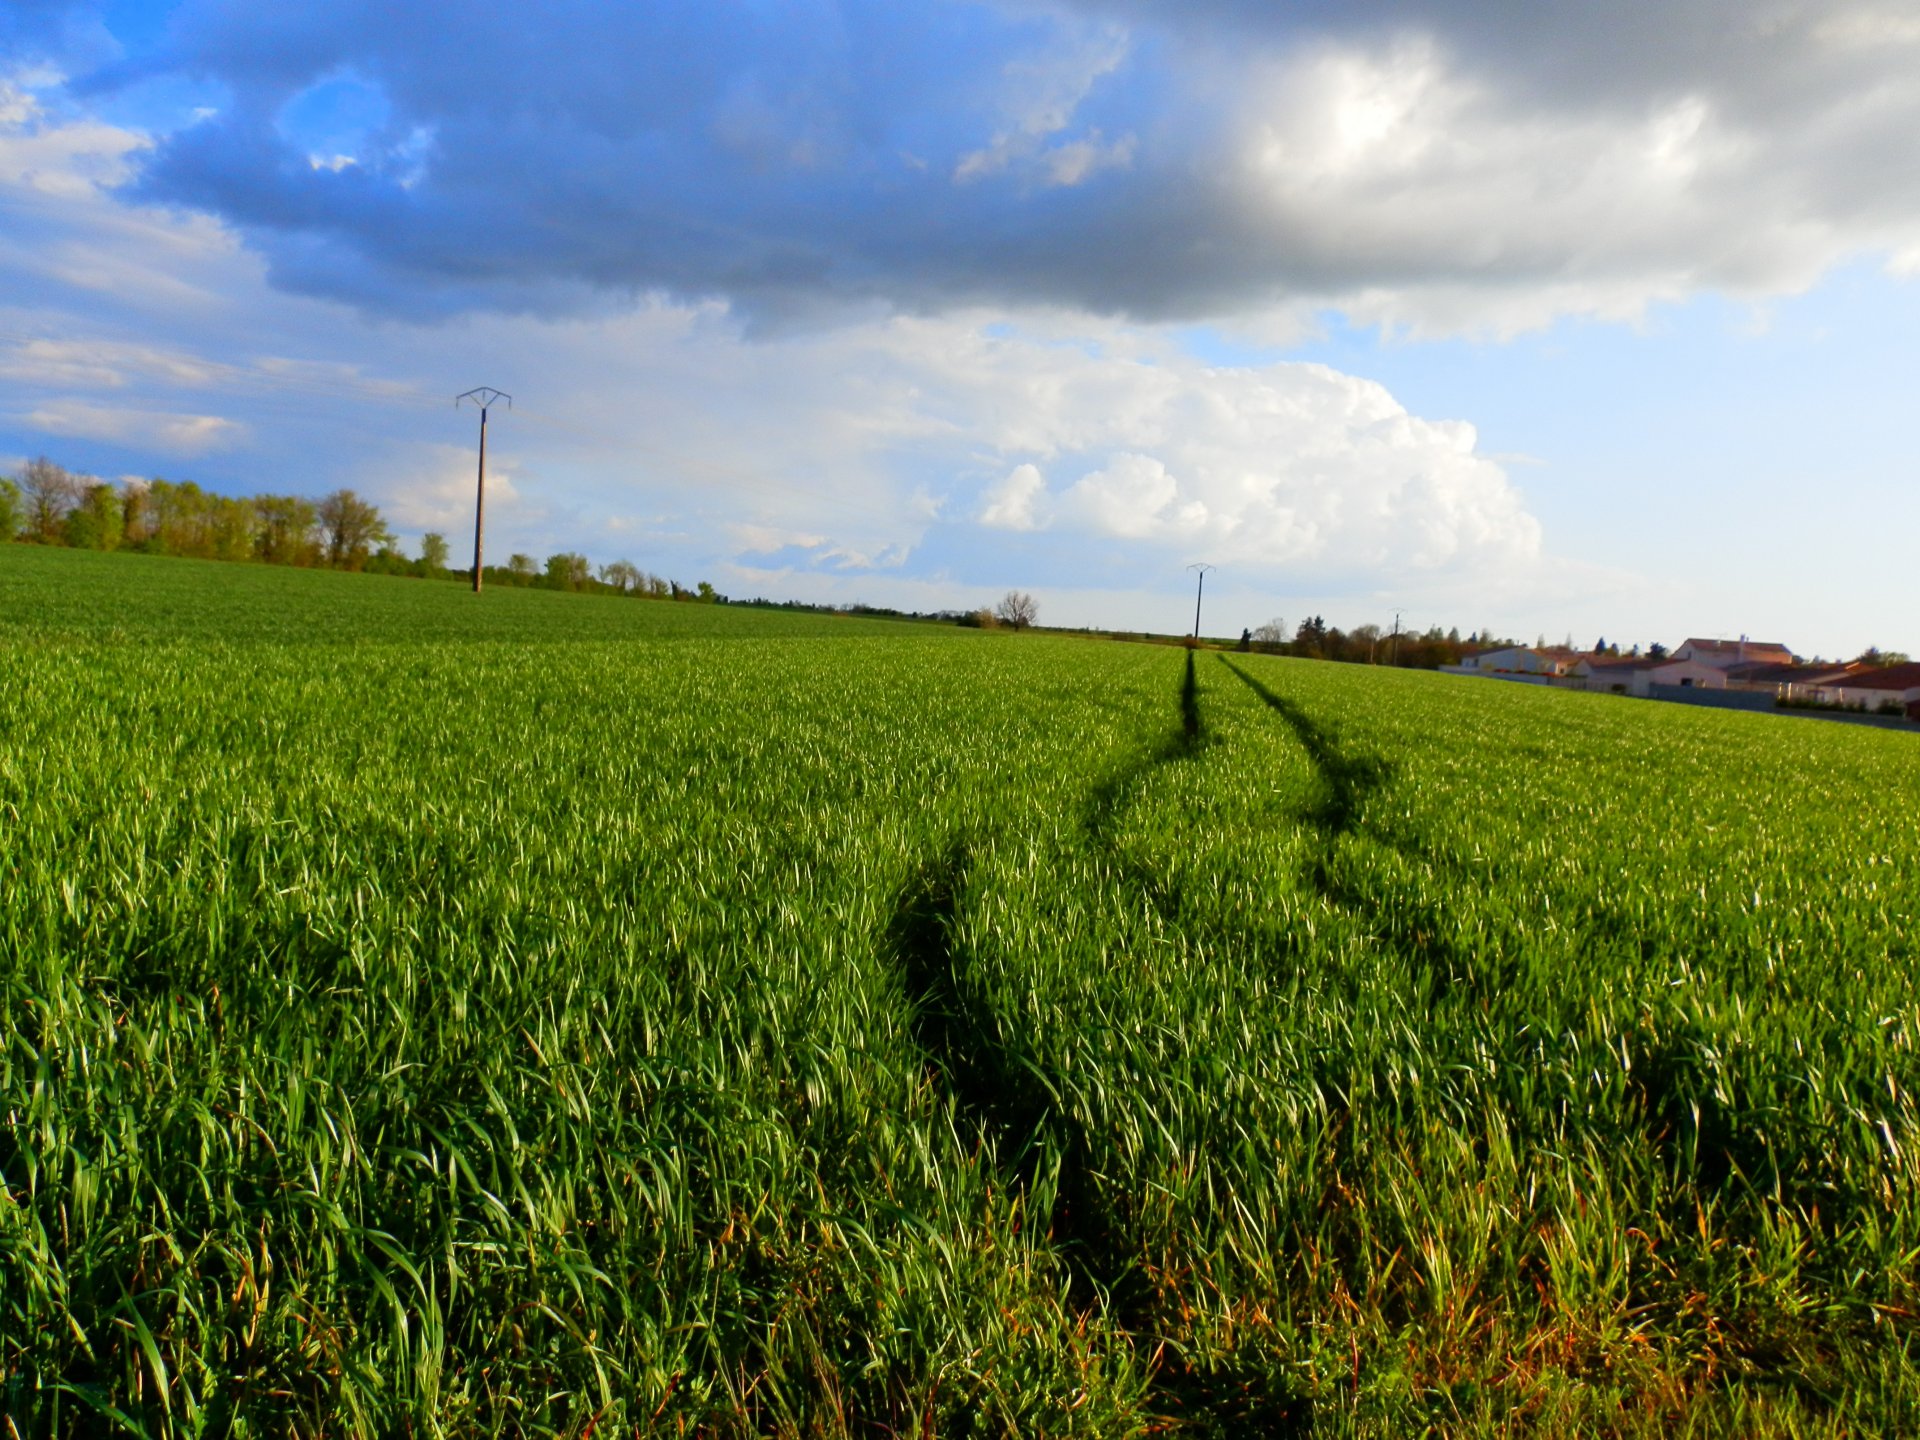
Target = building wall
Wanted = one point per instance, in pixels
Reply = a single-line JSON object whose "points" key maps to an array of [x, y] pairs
{"points": [[1519, 676], [1674, 672], [1719, 698]]}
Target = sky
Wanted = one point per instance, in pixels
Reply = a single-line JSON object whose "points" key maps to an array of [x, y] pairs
{"points": [[1551, 319]]}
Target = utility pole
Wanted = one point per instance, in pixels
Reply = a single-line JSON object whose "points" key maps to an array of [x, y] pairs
{"points": [[484, 397], [1393, 653], [1201, 568]]}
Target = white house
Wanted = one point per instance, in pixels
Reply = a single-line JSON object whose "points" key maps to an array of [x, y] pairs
{"points": [[1611, 674], [1637, 675], [1689, 673], [1534, 663]]}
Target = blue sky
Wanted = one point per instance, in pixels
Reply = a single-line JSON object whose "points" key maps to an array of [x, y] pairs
{"points": [[1559, 320]]}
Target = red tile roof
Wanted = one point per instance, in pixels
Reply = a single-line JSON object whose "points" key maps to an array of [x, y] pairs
{"points": [[1888, 677], [1790, 672], [1741, 649]]}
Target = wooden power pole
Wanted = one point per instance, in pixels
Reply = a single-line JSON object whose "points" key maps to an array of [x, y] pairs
{"points": [[485, 397], [1199, 590]]}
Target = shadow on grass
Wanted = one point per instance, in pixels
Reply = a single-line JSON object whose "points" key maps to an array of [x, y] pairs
{"points": [[1000, 1089], [1110, 798], [1420, 932], [995, 1085], [1349, 780]]}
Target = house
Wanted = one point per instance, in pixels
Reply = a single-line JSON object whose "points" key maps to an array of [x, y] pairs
{"points": [[1534, 664], [1611, 674], [1687, 673], [1638, 674], [1873, 690], [1724, 654]]}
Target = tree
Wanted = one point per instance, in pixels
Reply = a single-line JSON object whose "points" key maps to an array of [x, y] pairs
{"points": [[433, 552], [12, 509], [1656, 651], [622, 575], [567, 571], [95, 523], [352, 528], [233, 528], [389, 559], [1311, 638], [1873, 657], [286, 526], [1272, 635], [1018, 609], [51, 493], [521, 568]]}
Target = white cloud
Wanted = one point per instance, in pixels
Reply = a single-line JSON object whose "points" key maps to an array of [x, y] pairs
{"points": [[1061, 166], [1280, 465], [424, 487], [766, 539], [17, 105], [104, 364], [1013, 503], [1135, 498], [167, 432], [1040, 95]]}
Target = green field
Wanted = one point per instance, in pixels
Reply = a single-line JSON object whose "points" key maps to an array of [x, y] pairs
{"points": [[549, 1014]]}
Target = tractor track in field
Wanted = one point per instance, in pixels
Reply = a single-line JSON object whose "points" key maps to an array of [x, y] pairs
{"points": [[1109, 800], [1017, 1108], [1414, 930]]}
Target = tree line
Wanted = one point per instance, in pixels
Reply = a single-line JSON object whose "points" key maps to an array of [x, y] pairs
{"points": [[47, 504], [1314, 639]]}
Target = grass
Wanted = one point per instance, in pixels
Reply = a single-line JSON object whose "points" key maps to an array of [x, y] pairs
{"points": [[557, 1014]]}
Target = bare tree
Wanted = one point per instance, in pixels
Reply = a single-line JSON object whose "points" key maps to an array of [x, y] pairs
{"points": [[1272, 635], [1018, 609]]}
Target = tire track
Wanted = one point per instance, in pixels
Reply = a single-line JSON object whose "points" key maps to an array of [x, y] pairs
{"points": [[1419, 932], [1042, 1147]]}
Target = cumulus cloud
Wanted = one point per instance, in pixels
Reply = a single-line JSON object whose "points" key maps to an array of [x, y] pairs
{"points": [[1134, 497], [1277, 466], [1012, 503]]}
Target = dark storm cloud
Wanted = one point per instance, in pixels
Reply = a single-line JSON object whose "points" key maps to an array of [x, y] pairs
{"points": [[1147, 160]]}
